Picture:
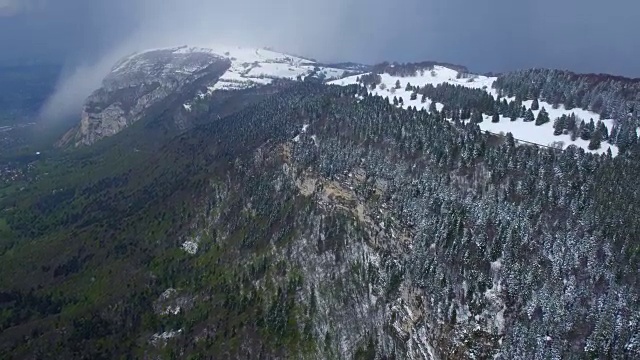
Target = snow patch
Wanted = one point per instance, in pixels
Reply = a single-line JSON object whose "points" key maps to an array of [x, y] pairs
{"points": [[190, 246], [167, 294], [171, 310], [499, 320], [161, 338], [496, 265]]}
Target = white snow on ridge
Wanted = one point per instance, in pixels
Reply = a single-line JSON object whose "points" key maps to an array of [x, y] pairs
{"points": [[524, 131], [439, 75], [249, 66], [254, 67], [276, 70]]}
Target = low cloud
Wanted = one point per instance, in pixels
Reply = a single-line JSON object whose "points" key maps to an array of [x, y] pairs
{"points": [[73, 88]]}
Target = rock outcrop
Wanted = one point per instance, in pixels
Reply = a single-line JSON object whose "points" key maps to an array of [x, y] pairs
{"points": [[135, 84]]}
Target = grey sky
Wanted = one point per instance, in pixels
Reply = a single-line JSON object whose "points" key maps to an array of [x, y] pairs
{"points": [[489, 35]]}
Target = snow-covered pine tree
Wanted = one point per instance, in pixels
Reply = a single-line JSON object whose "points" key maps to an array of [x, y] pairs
{"points": [[528, 116]]}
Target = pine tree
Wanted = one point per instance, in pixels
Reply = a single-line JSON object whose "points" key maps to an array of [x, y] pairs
{"points": [[571, 123], [400, 100], [424, 98], [495, 118], [514, 109], [558, 126], [543, 117], [535, 105], [446, 111], [583, 130], [555, 101], [455, 115], [592, 126], [397, 84], [574, 134], [476, 117], [528, 116], [408, 88], [432, 107], [504, 107], [613, 135], [594, 144], [603, 131], [395, 101], [465, 114]]}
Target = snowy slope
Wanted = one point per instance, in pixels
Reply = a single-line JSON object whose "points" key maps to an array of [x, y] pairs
{"points": [[439, 75], [253, 67], [543, 134], [525, 131]]}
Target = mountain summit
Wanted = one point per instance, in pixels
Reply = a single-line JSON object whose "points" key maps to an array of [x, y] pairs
{"points": [[142, 80]]}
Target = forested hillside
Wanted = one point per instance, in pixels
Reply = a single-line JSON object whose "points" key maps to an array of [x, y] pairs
{"points": [[320, 221]]}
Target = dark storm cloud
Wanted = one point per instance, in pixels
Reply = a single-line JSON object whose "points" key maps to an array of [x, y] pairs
{"points": [[585, 35], [491, 35], [62, 30]]}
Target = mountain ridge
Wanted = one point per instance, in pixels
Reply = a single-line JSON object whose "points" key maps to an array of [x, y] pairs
{"points": [[139, 80], [257, 67]]}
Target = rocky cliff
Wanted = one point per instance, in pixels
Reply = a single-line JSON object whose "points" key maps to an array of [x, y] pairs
{"points": [[135, 84]]}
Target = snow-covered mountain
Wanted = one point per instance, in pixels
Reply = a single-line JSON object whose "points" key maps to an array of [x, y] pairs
{"points": [[139, 81], [254, 67], [527, 132]]}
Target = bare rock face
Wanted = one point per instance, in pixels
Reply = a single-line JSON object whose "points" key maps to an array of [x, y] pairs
{"points": [[135, 84]]}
